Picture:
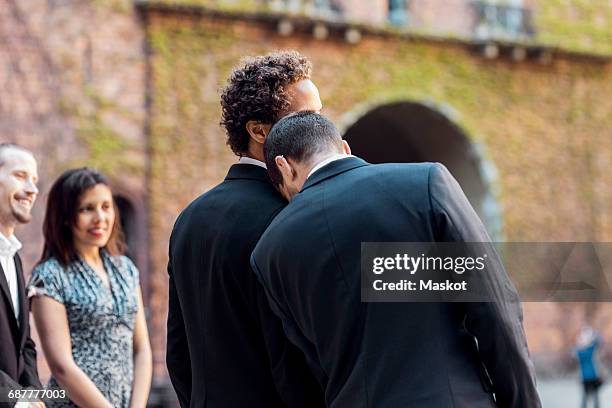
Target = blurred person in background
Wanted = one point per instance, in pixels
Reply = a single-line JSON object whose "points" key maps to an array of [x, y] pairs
{"points": [[86, 299], [18, 191], [589, 341]]}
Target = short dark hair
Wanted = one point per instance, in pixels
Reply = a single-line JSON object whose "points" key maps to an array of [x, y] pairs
{"points": [[62, 211], [299, 136], [257, 90], [5, 146]]}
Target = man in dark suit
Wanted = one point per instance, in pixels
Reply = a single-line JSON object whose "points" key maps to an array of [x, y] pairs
{"points": [[226, 348], [18, 178], [419, 354]]}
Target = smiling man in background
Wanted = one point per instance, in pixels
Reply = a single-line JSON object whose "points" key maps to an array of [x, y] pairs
{"points": [[18, 191]]}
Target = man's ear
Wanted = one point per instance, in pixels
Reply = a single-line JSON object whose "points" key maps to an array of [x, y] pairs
{"points": [[284, 167], [258, 131], [346, 147]]}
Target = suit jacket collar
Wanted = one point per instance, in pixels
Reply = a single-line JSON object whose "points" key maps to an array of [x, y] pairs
{"points": [[248, 172], [9, 247], [23, 298], [4, 289], [333, 169], [23, 313]]}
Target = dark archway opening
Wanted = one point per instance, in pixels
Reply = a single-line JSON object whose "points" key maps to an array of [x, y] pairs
{"points": [[406, 132]]}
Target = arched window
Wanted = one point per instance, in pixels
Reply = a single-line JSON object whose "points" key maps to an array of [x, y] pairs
{"points": [[133, 218], [398, 12], [502, 19]]}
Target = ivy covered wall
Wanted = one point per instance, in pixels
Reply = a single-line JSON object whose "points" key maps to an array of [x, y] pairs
{"points": [[545, 127], [72, 78], [578, 25], [76, 92]]}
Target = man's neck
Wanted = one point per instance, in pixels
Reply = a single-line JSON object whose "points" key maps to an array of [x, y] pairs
{"points": [[255, 152], [323, 160], [7, 229]]}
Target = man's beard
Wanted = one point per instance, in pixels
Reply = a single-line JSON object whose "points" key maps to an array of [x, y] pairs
{"points": [[23, 218], [20, 216]]}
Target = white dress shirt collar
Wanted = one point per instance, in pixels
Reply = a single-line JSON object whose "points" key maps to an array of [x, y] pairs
{"points": [[325, 162], [9, 246], [249, 160]]}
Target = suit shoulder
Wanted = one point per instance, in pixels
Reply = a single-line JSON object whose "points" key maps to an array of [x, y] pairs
{"points": [[404, 168], [192, 206], [245, 190], [233, 202], [200, 200], [394, 176]]}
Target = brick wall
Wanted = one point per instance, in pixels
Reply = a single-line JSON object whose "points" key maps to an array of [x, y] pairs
{"points": [[75, 87], [543, 126], [72, 89], [445, 17]]}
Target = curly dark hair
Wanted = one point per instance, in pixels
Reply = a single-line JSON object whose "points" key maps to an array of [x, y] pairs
{"points": [[256, 90]]}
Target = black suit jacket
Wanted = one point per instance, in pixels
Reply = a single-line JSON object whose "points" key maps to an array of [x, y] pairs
{"points": [[226, 348], [17, 350], [388, 354]]}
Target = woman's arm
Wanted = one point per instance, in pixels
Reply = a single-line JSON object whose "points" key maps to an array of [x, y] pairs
{"points": [[52, 325], [142, 360]]}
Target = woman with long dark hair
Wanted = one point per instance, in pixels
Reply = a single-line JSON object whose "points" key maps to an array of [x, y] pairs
{"points": [[86, 300]]}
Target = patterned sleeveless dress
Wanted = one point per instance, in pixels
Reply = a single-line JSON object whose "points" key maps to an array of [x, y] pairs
{"points": [[101, 320]]}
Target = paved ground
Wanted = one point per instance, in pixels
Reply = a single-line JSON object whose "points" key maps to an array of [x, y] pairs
{"points": [[567, 393]]}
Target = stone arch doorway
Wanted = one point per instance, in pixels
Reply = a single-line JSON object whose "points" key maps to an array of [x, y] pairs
{"points": [[128, 223], [134, 224], [408, 132]]}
